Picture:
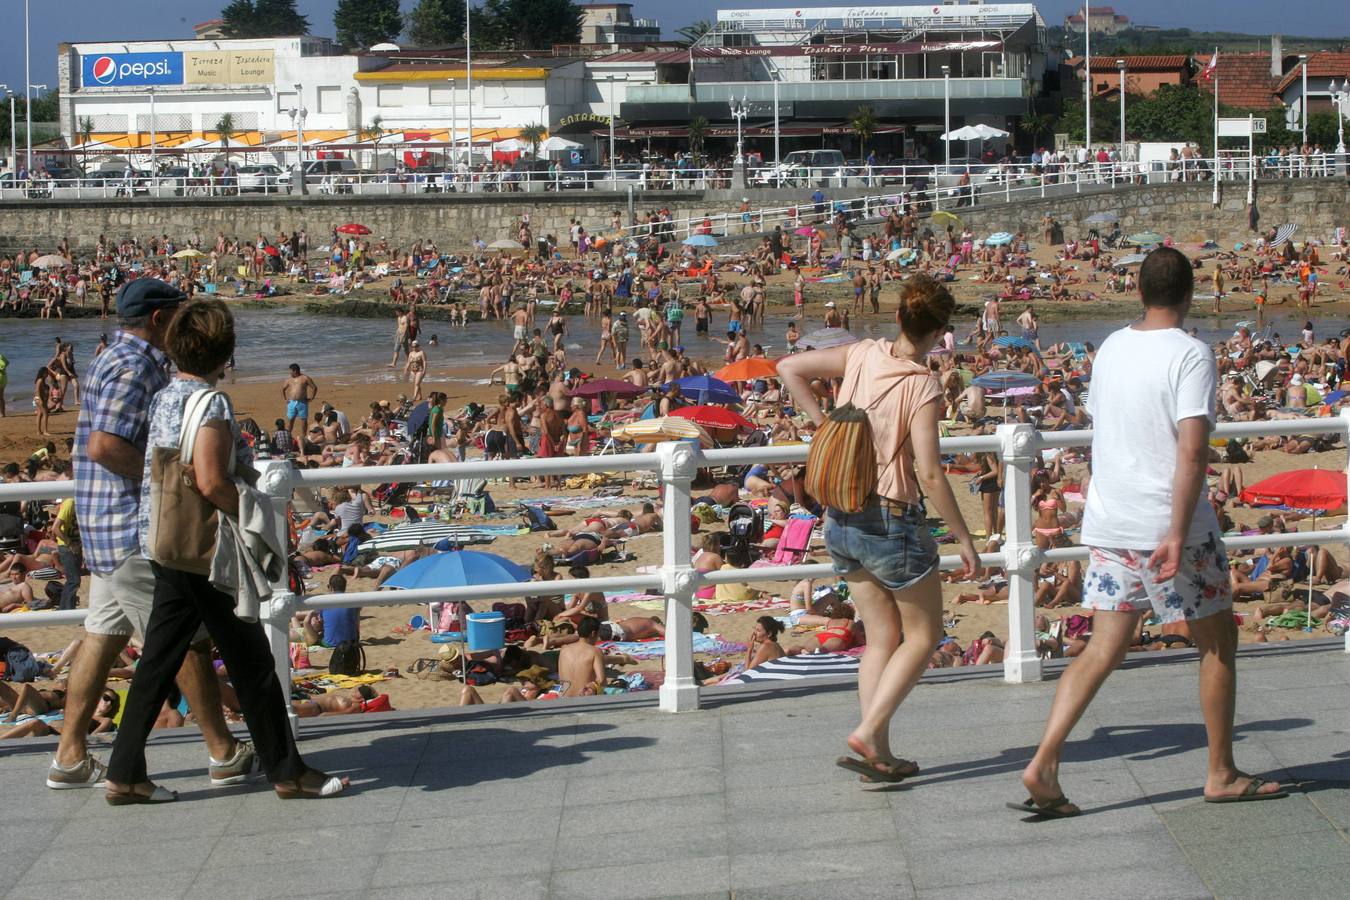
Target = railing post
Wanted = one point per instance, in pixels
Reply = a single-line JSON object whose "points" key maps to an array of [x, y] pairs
{"points": [[679, 465], [275, 481], [1021, 662], [1345, 436]]}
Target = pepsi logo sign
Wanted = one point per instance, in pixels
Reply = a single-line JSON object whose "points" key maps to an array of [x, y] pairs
{"points": [[104, 70]]}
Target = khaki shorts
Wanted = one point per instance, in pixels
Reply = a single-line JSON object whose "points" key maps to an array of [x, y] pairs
{"points": [[120, 601]]}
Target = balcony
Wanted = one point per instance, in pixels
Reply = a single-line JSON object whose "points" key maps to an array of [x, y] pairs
{"points": [[843, 91]]}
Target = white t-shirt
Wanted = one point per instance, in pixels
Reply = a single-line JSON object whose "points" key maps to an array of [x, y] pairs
{"points": [[1143, 384]]}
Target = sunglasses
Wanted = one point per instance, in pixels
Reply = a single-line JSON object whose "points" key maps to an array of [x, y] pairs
{"points": [[109, 698]]}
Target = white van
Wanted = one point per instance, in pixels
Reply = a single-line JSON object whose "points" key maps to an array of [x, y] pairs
{"points": [[801, 168]]}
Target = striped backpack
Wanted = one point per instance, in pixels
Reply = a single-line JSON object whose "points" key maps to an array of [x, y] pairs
{"points": [[841, 466]]}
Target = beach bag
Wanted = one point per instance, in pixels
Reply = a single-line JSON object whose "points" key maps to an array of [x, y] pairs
{"points": [[841, 466], [348, 659], [183, 523]]}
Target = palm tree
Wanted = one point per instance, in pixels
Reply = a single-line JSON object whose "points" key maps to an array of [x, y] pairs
{"points": [[86, 132], [695, 30], [698, 127], [225, 130], [534, 134], [373, 132], [1036, 124], [864, 123]]}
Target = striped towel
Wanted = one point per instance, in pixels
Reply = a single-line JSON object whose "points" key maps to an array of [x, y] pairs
{"points": [[415, 534], [748, 606], [791, 668], [703, 643]]}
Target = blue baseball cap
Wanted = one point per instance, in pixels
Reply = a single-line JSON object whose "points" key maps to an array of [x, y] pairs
{"points": [[143, 296]]}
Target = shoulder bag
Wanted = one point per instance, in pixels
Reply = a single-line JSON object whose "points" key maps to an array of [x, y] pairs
{"points": [[183, 523]]}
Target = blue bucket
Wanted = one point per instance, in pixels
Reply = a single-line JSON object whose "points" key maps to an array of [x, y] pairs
{"points": [[487, 631]]}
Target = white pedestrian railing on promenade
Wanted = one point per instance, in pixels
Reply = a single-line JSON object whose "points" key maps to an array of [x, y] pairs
{"points": [[1020, 447]]}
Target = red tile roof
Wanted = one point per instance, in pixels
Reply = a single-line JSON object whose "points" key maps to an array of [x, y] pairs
{"points": [[1136, 63], [1245, 81], [1326, 64]]}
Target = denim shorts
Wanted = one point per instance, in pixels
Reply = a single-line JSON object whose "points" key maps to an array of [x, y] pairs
{"points": [[895, 547]]}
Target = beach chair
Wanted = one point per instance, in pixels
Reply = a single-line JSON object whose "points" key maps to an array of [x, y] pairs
{"points": [[792, 546], [472, 496]]}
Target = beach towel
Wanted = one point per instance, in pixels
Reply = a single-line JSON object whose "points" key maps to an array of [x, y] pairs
{"points": [[792, 545], [792, 668], [416, 534], [718, 609], [703, 643]]}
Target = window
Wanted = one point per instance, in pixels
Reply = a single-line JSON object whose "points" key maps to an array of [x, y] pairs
{"points": [[287, 101], [389, 97], [441, 95], [330, 100]]}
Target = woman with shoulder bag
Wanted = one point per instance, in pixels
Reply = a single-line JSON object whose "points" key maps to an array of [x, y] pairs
{"points": [[191, 456], [872, 460]]}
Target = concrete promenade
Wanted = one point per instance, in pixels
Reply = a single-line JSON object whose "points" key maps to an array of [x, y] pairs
{"points": [[613, 799]]}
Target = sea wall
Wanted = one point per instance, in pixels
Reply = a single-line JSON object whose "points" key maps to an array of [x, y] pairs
{"points": [[1184, 211]]}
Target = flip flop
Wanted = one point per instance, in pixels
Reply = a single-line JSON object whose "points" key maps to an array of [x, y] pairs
{"points": [[1249, 793], [131, 798], [1053, 809], [876, 770]]}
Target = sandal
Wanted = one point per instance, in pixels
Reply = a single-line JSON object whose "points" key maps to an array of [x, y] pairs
{"points": [[877, 770], [131, 798], [1051, 809], [331, 786]]}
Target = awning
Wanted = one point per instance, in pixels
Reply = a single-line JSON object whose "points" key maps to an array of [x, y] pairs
{"points": [[790, 129]]}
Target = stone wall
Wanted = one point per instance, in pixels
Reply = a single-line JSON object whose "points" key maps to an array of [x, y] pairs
{"points": [[1183, 211]]}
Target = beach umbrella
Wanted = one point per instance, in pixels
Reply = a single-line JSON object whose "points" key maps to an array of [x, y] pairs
{"points": [[805, 230], [1102, 218], [269, 250], [417, 417], [353, 228], [903, 255], [700, 240], [504, 244], [558, 143], [1283, 234], [1335, 396], [510, 145], [457, 568], [748, 369], [713, 417], [825, 338], [1146, 238], [597, 386], [1317, 490], [51, 261], [706, 389], [665, 428], [1010, 340], [191, 253], [998, 239], [1132, 259], [1002, 379], [942, 217], [974, 133]]}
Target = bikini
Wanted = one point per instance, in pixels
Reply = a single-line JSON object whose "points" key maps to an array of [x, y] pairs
{"points": [[1048, 532]]}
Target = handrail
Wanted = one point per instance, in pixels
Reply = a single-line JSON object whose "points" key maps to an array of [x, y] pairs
{"points": [[1018, 445]]}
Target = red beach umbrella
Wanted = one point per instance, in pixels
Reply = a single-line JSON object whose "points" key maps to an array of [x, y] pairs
{"points": [[713, 417], [1319, 489], [353, 228]]}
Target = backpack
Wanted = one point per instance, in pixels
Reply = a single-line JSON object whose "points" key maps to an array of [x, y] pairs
{"points": [[348, 659], [20, 665]]}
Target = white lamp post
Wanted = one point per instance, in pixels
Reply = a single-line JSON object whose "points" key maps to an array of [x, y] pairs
{"points": [[28, 120], [468, 79], [27, 91], [154, 133], [946, 119], [1303, 60], [13, 135], [613, 180], [776, 158], [739, 112], [1340, 98], [298, 114], [1087, 74], [1120, 64]]}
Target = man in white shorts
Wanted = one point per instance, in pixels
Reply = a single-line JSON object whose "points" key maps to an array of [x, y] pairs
{"points": [[1154, 539], [109, 454]]}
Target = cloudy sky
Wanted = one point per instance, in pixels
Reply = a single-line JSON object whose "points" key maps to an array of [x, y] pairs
{"points": [[90, 20]]}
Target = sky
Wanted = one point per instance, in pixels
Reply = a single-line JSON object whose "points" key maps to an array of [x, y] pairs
{"points": [[93, 20]]}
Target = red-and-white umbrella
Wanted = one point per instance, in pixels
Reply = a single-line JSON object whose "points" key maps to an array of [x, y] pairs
{"points": [[713, 417], [1319, 489], [353, 228]]}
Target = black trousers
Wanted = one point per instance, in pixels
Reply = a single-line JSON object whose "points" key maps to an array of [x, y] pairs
{"points": [[183, 602]]}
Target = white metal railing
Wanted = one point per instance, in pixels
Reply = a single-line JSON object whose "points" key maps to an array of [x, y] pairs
{"points": [[1019, 446], [987, 180]]}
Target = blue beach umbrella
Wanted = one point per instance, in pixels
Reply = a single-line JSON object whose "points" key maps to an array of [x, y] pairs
{"points": [[1004, 379], [700, 240], [457, 568], [706, 389], [998, 239], [1019, 343]]}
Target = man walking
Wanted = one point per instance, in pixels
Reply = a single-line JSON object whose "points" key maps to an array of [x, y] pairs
{"points": [[109, 459], [1154, 539]]}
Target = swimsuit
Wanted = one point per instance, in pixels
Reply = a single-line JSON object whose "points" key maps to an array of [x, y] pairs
{"points": [[297, 409]]}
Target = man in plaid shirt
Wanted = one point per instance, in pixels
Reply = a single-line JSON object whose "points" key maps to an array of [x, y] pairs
{"points": [[109, 455]]}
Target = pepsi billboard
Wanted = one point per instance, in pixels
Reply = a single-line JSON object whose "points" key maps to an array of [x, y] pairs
{"points": [[131, 69]]}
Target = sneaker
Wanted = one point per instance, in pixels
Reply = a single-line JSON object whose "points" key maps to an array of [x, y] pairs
{"points": [[88, 773], [243, 766]]}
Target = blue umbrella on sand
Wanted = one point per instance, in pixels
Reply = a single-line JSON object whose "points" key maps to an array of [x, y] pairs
{"points": [[1019, 343], [700, 240], [998, 239], [706, 389], [1003, 379], [457, 568]]}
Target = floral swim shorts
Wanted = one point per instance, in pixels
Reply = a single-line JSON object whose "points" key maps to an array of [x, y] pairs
{"points": [[1121, 581]]}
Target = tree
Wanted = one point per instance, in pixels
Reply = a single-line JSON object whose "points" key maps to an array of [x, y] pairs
{"points": [[434, 23], [698, 129], [374, 131], [534, 135], [864, 124], [263, 18], [225, 130], [525, 24], [1033, 125], [365, 23], [85, 129], [694, 30]]}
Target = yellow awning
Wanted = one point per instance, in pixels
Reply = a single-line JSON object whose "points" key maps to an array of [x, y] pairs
{"points": [[437, 73]]}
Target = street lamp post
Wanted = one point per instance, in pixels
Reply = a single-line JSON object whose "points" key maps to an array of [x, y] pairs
{"points": [[1303, 61], [27, 92], [776, 158], [1120, 64], [1340, 98], [28, 120], [1087, 75], [946, 119], [739, 112], [13, 135], [298, 118], [468, 80], [613, 179], [154, 133]]}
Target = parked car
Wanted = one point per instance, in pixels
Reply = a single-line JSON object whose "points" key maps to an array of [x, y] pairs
{"points": [[801, 168], [266, 178], [318, 171]]}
